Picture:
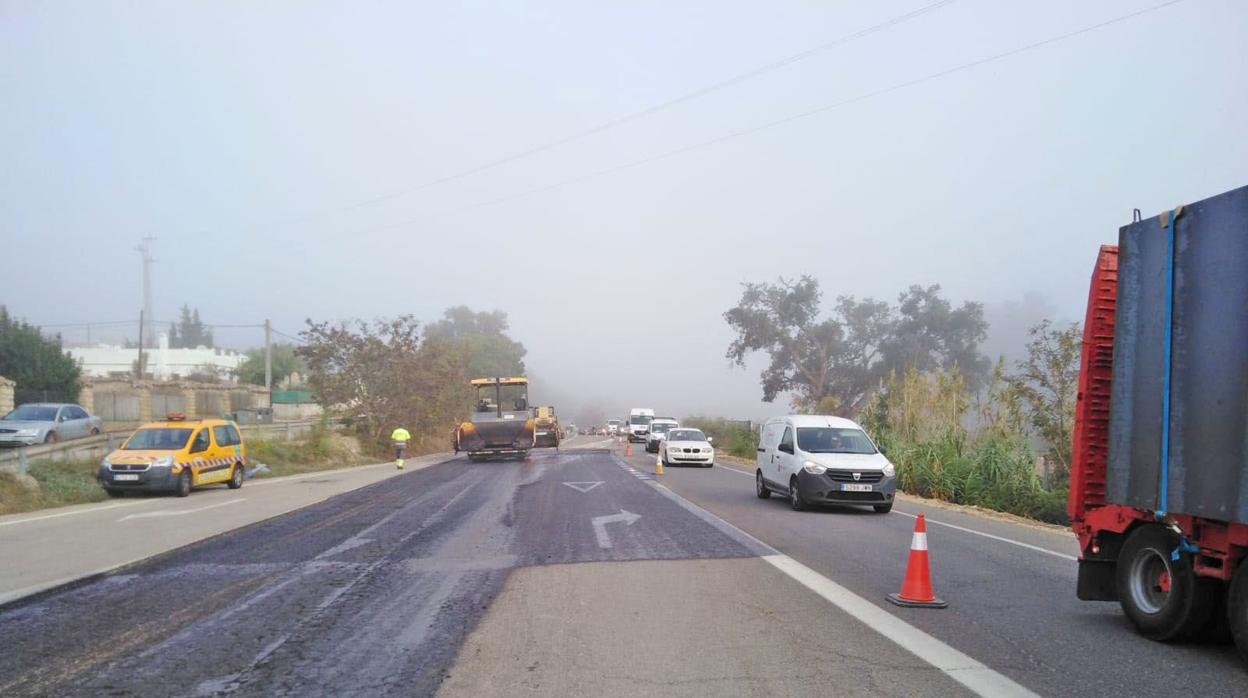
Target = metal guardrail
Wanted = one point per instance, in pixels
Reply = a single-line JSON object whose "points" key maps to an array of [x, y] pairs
{"points": [[19, 459]]}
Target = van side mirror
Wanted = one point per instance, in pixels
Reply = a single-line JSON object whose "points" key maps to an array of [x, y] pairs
{"points": [[881, 450], [785, 448], [710, 439]]}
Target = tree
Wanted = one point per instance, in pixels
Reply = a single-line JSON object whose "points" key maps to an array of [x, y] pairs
{"points": [[832, 364], [285, 362], [189, 331], [930, 333], [385, 375], [1047, 381], [39, 366], [482, 337]]}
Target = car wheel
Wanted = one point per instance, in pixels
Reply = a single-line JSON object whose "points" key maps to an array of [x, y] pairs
{"points": [[236, 477], [51, 438], [184, 484], [796, 500], [760, 487], [883, 508], [95, 432], [1159, 591]]}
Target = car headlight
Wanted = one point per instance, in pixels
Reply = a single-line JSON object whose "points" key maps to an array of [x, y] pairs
{"points": [[27, 432], [708, 450], [889, 470], [813, 468], [163, 462], [105, 463]]}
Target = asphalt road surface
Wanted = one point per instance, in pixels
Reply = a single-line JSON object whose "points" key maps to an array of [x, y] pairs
{"points": [[575, 573]]}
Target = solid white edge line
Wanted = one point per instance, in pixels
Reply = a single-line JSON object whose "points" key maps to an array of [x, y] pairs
{"points": [[958, 666], [963, 529]]}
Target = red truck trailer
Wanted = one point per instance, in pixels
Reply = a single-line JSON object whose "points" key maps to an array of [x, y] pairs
{"points": [[1159, 473]]}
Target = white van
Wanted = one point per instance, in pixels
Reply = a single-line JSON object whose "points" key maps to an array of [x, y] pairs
{"points": [[639, 423], [822, 460]]}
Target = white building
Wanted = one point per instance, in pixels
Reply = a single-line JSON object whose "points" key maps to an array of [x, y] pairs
{"points": [[105, 360]]}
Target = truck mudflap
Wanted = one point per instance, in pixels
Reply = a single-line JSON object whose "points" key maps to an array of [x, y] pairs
{"points": [[1097, 580]]}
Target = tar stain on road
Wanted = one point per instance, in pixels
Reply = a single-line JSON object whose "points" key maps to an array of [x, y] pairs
{"points": [[368, 593]]}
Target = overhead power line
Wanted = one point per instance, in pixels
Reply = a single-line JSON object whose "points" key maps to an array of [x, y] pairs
{"points": [[653, 109], [787, 119]]}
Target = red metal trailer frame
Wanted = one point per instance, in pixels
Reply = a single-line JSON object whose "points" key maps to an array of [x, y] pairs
{"points": [[1100, 526]]}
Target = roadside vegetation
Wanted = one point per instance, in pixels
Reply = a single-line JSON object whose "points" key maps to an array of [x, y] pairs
{"points": [[390, 373], [958, 428], [52, 483], [57, 483], [735, 437]]}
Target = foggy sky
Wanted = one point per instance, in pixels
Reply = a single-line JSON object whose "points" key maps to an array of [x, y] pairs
{"points": [[245, 136]]}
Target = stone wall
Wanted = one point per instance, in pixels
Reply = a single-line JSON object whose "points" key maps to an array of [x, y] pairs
{"points": [[125, 401], [6, 395]]}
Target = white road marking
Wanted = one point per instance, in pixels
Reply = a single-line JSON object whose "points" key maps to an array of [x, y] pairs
{"points": [[972, 531], [583, 487], [87, 510], [958, 666], [180, 512], [600, 525], [1020, 544]]}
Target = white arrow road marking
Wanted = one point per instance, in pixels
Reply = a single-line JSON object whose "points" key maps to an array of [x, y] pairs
{"points": [[583, 487], [177, 512], [600, 525]]}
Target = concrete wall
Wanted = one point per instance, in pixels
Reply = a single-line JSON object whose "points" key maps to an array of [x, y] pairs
{"points": [[6, 395], [126, 401]]}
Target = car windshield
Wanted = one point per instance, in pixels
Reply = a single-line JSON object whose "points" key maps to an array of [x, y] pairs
{"points": [[833, 440], [164, 439], [640, 419], [32, 413], [686, 435], [661, 427]]}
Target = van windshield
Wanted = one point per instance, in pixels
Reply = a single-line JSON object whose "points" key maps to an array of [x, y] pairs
{"points": [[640, 419], [661, 427], [833, 440], [158, 440]]}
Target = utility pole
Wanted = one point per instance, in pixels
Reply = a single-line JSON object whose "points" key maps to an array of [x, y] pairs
{"points": [[145, 249], [268, 359], [139, 370]]}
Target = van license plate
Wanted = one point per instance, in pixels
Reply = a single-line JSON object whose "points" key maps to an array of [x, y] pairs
{"points": [[125, 478], [855, 488]]}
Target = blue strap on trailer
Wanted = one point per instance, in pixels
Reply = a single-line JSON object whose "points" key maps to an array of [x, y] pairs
{"points": [[1164, 486]]}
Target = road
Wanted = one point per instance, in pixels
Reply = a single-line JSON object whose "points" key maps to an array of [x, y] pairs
{"points": [[577, 573]]}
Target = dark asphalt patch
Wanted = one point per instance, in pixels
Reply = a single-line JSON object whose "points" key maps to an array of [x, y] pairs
{"points": [[370, 592]]}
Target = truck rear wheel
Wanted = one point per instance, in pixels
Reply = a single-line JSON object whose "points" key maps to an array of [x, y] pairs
{"points": [[1159, 591], [1237, 608]]}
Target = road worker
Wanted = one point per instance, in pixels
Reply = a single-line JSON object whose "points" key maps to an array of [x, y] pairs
{"points": [[399, 437]]}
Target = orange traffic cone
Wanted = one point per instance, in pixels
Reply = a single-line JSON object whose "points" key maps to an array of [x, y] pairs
{"points": [[628, 450], [916, 588], [658, 465]]}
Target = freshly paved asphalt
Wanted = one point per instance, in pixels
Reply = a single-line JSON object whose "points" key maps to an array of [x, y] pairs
{"points": [[573, 574]]}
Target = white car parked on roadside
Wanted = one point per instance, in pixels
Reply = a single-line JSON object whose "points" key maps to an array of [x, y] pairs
{"points": [[684, 446]]}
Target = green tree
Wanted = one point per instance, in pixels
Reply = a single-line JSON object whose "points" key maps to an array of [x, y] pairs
{"points": [[285, 362], [1047, 382], [384, 374], [189, 331], [835, 362], [482, 337], [38, 364]]}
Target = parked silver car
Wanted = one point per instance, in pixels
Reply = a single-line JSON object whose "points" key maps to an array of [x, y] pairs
{"points": [[38, 423]]}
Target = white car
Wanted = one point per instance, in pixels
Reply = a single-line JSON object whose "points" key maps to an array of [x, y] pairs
{"points": [[659, 426], [816, 460], [684, 446]]}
